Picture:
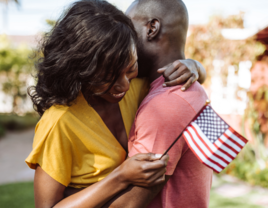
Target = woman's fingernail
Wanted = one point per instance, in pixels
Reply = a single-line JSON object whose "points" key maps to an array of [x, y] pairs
{"points": [[164, 85], [158, 155], [183, 88]]}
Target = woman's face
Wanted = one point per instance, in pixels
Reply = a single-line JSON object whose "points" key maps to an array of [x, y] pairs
{"points": [[121, 86]]}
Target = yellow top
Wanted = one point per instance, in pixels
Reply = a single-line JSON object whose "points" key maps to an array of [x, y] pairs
{"points": [[75, 147]]}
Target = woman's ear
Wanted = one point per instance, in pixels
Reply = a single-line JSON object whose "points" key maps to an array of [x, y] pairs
{"points": [[153, 28]]}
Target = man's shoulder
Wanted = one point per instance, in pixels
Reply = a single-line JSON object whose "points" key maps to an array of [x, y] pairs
{"points": [[195, 97]]}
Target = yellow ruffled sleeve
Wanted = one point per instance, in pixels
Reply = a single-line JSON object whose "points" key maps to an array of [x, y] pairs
{"points": [[52, 147]]}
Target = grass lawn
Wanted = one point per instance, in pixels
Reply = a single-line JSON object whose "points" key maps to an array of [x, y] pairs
{"points": [[15, 195], [20, 195], [217, 201]]}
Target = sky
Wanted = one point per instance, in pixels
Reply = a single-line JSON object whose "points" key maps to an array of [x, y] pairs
{"points": [[29, 18]]}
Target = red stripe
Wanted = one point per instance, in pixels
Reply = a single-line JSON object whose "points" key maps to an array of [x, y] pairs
{"points": [[201, 139], [198, 155], [200, 149], [223, 151], [229, 138], [228, 146], [238, 135]]}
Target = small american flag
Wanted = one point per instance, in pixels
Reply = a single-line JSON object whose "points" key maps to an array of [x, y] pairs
{"points": [[212, 140]]}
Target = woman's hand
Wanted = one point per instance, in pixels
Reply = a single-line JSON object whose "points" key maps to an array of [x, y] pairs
{"points": [[144, 169], [183, 71]]}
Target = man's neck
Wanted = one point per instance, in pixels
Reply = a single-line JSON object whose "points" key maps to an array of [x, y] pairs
{"points": [[162, 61]]}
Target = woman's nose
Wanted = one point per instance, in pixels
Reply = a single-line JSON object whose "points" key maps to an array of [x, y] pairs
{"points": [[122, 84]]}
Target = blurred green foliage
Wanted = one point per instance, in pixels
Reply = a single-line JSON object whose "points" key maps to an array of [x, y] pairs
{"points": [[248, 167], [50, 22], [206, 43], [15, 71], [16, 122]]}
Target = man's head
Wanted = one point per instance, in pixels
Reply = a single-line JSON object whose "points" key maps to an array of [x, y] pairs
{"points": [[162, 27]]}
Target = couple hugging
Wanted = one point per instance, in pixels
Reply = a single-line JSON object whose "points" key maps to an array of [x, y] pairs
{"points": [[102, 129]]}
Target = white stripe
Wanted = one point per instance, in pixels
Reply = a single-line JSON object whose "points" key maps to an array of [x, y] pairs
{"points": [[226, 149], [234, 137], [211, 146], [230, 143], [201, 156], [204, 148]]}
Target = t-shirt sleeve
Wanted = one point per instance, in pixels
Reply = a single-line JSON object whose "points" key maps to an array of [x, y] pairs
{"points": [[52, 151], [158, 124]]}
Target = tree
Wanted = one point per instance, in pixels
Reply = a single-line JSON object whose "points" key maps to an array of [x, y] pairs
{"points": [[15, 71], [206, 44]]}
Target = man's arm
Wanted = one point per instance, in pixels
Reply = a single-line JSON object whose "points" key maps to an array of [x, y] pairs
{"points": [[136, 196], [157, 125]]}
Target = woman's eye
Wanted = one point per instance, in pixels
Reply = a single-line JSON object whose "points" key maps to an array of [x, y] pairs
{"points": [[133, 69]]}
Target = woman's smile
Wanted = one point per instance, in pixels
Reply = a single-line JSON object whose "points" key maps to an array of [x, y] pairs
{"points": [[119, 95]]}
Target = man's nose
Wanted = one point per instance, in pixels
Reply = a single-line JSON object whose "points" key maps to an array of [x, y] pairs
{"points": [[122, 84]]}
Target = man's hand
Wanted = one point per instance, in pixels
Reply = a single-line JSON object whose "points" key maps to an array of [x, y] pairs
{"points": [[183, 71]]}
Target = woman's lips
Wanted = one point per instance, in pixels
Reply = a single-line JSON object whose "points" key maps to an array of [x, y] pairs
{"points": [[119, 95]]}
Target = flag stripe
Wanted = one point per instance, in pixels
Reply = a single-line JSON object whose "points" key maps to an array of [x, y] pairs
{"points": [[200, 143], [199, 155], [230, 143], [240, 137], [227, 145], [230, 132], [225, 149], [219, 152], [233, 141], [224, 152], [204, 150], [193, 139], [207, 143]]}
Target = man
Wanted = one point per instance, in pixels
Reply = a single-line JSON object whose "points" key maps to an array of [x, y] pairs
{"points": [[165, 112]]}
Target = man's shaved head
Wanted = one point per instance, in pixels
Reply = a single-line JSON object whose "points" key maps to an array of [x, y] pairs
{"points": [[160, 24]]}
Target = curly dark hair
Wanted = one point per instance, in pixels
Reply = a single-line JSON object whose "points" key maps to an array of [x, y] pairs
{"points": [[89, 46]]}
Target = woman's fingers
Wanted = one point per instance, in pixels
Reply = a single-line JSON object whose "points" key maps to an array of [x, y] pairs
{"points": [[188, 84], [153, 178], [154, 165], [169, 69], [147, 156], [179, 80]]}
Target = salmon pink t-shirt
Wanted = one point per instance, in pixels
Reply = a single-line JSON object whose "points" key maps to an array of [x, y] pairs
{"points": [[160, 119]]}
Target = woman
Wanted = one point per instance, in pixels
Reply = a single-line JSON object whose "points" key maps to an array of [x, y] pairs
{"points": [[81, 140]]}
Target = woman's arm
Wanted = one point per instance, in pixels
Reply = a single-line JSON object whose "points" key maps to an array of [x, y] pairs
{"points": [[183, 71], [136, 196], [140, 170]]}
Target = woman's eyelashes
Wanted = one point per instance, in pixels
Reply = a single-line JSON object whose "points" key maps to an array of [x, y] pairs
{"points": [[133, 68]]}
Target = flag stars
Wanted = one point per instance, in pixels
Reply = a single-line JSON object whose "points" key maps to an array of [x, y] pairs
{"points": [[211, 125]]}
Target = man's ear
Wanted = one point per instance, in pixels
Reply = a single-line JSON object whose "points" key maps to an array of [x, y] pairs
{"points": [[153, 29]]}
